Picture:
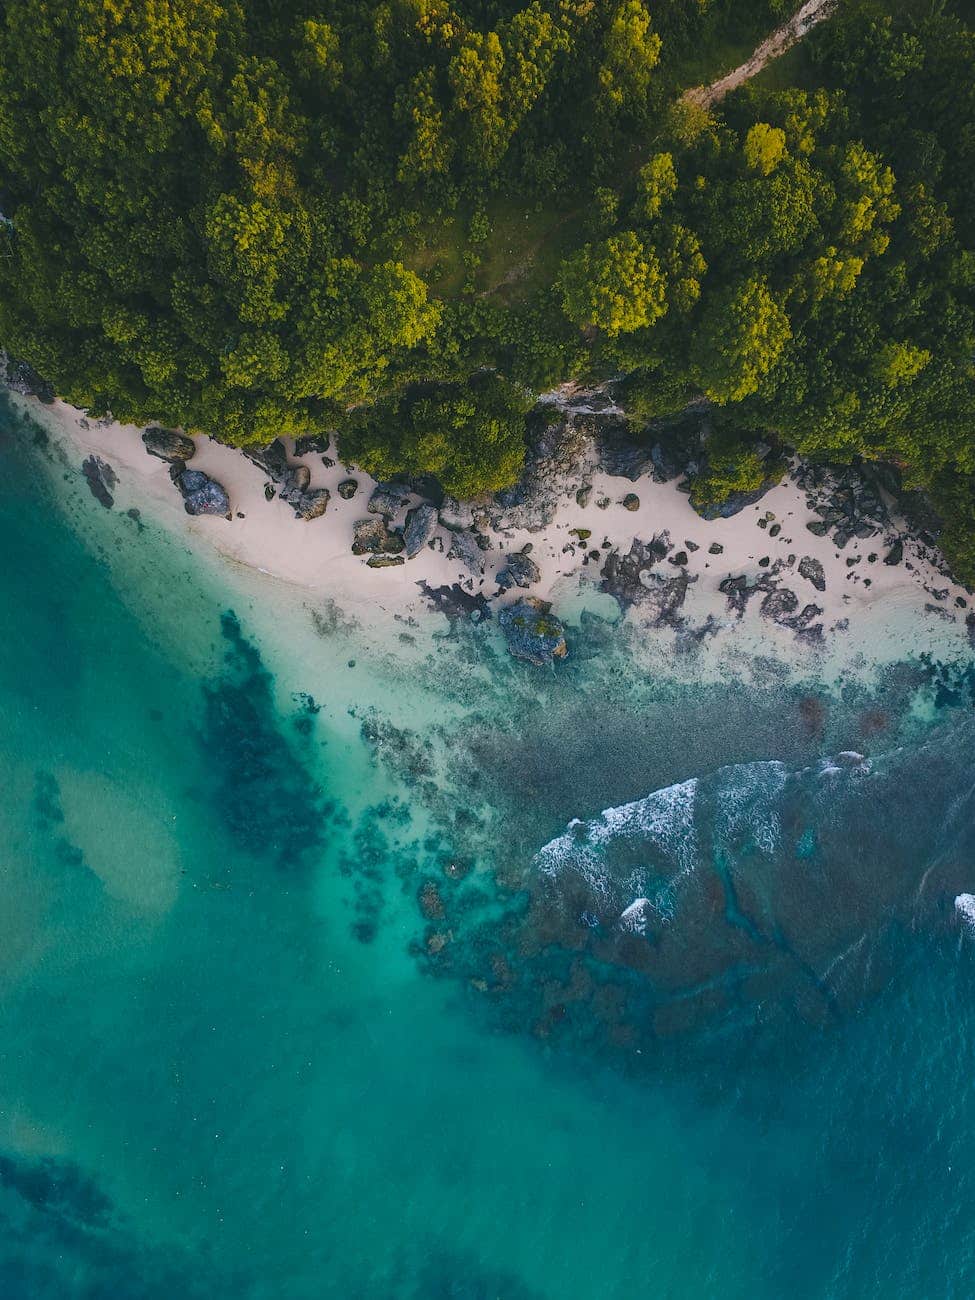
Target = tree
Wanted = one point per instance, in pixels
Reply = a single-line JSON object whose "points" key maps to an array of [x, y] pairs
{"points": [[470, 437], [617, 285], [631, 51], [739, 337]]}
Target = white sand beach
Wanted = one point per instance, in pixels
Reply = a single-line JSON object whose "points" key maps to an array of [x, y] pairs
{"points": [[868, 608]]}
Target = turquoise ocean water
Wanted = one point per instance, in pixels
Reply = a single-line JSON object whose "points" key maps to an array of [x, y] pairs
{"points": [[310, 988]]}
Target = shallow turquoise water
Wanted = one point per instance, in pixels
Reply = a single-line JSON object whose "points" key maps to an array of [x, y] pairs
{"points": [[289, 1006]]}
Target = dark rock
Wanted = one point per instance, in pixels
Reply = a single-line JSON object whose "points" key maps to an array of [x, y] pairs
{"points": [[22, 378], [101, 478], [296, 480], [630, 580], [421, 524], [348, 488], [631, 501], [307, 502], [466, 548], [371, 536], [456, 515], [273, 460], [312, 442], [737, 501], [584, 496], [679, 559], [739, 591], [666, 596], [532, 632], [817, 527], [895, 554], [169, 445], [384, 561], [813, 571], [202, 495], [311, 504], [557, 451], [621, 576], [520, 570], [715, 549], [386, 500], [619, 453]]}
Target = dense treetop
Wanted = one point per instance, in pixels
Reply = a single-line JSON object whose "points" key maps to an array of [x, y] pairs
{"points": [[401, 219]]}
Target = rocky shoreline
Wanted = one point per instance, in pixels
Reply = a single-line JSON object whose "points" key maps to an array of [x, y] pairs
{"points": [[598, 499]]}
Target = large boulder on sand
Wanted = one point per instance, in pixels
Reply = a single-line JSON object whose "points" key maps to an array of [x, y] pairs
{"points": [[386, 500], [169, 445], [372, 536], [421, 524], [464, 547], [273, 460], [202, 495], [532, 632], [310, 504]]}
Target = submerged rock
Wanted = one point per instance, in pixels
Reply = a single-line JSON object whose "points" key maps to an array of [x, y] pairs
{"points": [[520, 570], [421, 524], [168, 445], [780, 604], [384, 561], [371, 536], [101, 478], [456, 603], [202, 495], [532, 632]]}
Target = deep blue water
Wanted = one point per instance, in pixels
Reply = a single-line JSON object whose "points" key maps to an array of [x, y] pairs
{"points": [[295, 1002]]}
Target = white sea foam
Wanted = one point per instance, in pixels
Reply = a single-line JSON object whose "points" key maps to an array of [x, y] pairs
{"points": [[748, 805], [965, 906], [664, 821]]}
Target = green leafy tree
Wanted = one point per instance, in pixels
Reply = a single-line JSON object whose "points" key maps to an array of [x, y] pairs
{"points": [[739, 337], [617, 286]]}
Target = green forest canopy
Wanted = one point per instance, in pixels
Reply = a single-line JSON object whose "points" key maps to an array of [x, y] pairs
{"points": [[253, 218]]}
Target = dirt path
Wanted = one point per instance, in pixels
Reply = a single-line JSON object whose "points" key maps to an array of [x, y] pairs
{"points": [[782, 39]]}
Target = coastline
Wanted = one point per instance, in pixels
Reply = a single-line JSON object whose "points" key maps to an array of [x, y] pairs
{"points": [[869, 610]]}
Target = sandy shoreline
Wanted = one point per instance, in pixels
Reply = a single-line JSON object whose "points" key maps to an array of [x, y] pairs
{"points": [[868, 608]]}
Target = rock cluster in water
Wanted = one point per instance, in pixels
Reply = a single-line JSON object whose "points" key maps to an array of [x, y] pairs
{"points": [[101, 480]]}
